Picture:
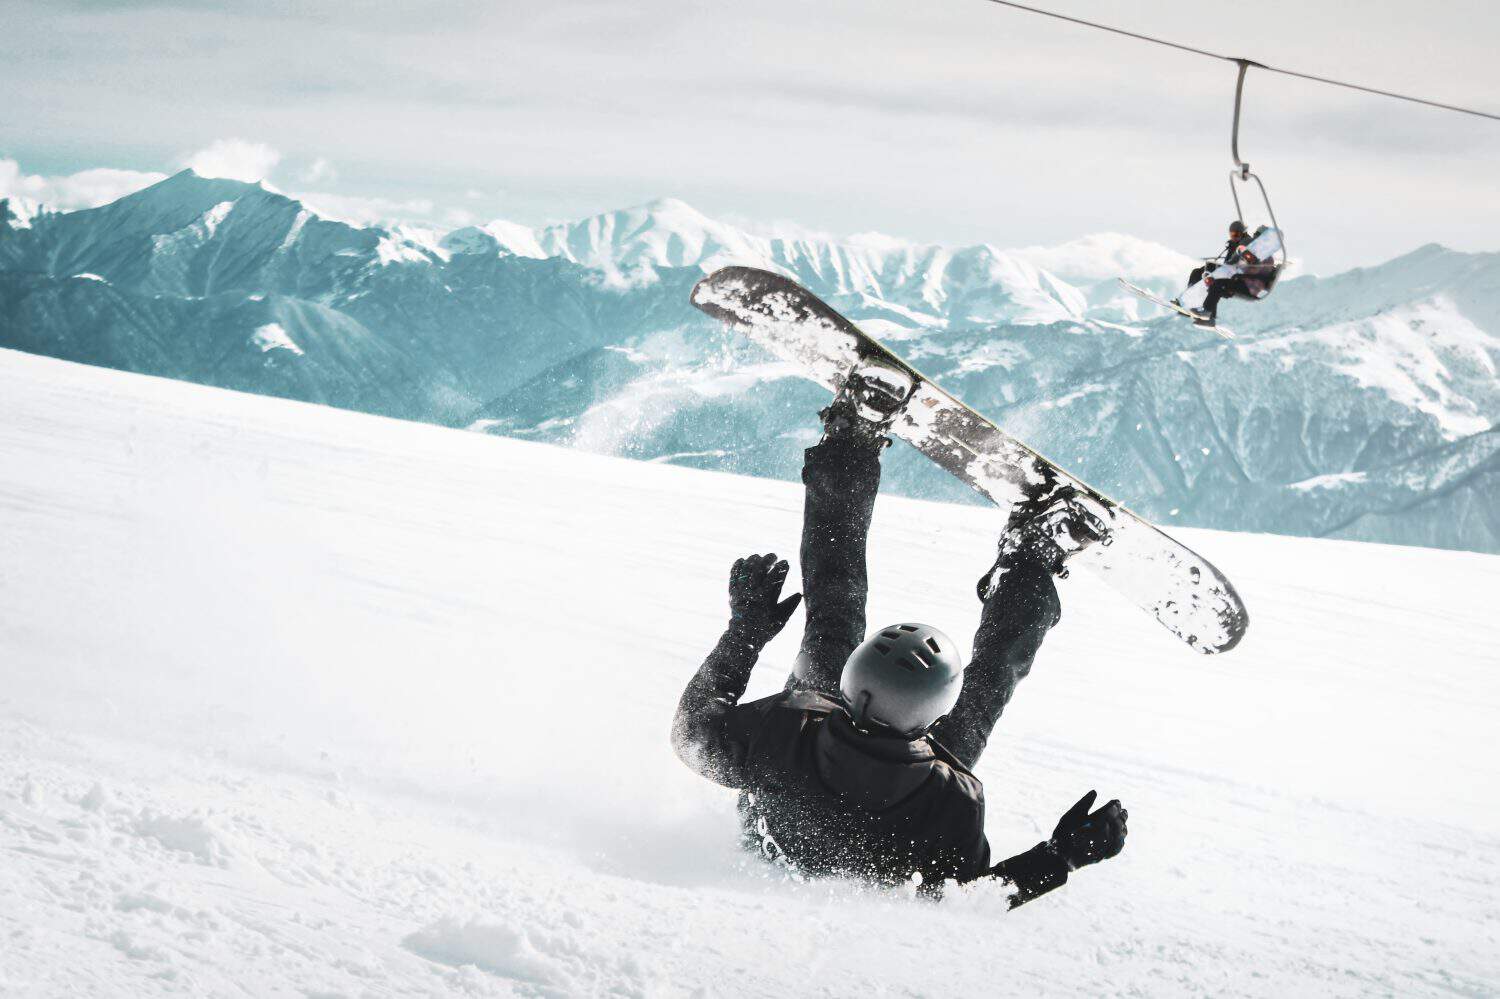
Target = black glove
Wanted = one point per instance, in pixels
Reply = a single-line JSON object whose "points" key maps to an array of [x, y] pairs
{"points": [[754, 592], [1082, 838]]}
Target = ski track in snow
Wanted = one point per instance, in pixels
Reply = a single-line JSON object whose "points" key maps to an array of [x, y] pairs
{"points": [[300, 701]]}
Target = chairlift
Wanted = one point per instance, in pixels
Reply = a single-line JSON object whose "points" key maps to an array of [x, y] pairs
{"points": [[1268, 242], [1267, 246]]}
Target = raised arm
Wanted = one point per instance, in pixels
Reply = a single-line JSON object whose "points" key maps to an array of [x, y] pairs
{"points": [[1017, 615], [701, 733]]}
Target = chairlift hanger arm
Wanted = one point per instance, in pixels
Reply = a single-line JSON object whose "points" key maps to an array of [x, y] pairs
{"points": [[1241, 171], [1234, 135]]}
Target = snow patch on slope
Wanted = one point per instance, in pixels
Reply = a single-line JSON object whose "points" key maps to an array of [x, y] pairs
{"points": [[273, 336], [1333, 480], [627, 246], [498, 236], [18, 212], [194, 235], [1417, 354], [398, 248], [215, 216], [299, 222]]}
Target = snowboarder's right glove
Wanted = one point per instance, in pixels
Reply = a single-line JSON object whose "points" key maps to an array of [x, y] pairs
{"points": [[757, 612], [1083, 838]]}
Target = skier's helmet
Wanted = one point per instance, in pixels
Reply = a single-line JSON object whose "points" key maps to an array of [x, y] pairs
{"points": [[1236, 228], [902, 678]]}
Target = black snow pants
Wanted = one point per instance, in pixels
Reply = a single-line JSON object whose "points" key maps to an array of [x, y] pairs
{"points": [[841, 482], [1224, 288]]}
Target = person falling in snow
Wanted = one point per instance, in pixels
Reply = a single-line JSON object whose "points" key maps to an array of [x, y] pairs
{"points": [[863, 765]]}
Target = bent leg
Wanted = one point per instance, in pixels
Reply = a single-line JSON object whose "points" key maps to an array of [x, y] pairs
{"points": [[1015, 619], [841, 480], [1216, 291]]}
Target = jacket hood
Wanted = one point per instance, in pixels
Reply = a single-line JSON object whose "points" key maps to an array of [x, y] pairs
{"points": [[874, 771]]}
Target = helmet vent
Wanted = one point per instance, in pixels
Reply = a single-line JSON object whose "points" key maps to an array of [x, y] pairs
{"points": [[933, 645], [910, 662], [907, 627], [892, 635], [921, 659], [882, 648]]}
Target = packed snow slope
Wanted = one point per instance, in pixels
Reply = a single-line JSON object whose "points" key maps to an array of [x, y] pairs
{"points": [[299, 701], [1359, 406]]}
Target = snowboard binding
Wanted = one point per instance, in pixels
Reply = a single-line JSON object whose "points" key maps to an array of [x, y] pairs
{"points": [[1049, 533], [866, 405]]}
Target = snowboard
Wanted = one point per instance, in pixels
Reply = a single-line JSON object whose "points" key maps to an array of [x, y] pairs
{"points": [[1180, 588], [1180, 310]]}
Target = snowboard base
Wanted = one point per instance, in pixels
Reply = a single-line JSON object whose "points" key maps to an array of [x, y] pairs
{"points": [[1180, 588]]}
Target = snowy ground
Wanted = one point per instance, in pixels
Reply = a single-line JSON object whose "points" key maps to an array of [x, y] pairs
{"points": [[302, 702]]}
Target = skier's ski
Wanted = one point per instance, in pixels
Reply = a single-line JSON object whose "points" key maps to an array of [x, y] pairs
{"points": [[1179, 587], [1180, 310]]}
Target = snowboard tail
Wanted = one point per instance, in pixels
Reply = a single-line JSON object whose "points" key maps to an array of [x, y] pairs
{"points": [[1180, 588], [1139, 292]]}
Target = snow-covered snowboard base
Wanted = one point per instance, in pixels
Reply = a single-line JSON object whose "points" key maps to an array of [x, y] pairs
{"points": [[1180, 588]]}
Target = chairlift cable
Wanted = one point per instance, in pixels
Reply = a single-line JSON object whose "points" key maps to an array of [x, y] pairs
{"points": [[1249, 62]]}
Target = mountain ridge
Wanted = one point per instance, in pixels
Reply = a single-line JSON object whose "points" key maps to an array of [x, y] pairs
{"points": [[1356, 405]]}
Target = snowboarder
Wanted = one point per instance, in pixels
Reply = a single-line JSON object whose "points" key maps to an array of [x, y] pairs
{"points": [[1236, 255], [863, 765]]}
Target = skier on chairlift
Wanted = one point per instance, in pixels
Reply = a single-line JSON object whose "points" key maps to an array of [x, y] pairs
{"points": [[1236, 255]]}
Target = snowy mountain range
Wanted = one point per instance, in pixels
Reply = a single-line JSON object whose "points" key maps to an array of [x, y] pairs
{"points": [[1362, 405]]}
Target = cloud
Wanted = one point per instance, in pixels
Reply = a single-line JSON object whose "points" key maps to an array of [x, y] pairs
{"points": [[318, 171], [234, 159], [360, 211], [84, 189], [784, 228]]}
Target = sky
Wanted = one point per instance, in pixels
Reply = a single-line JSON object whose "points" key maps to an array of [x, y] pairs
{"points": [[953, 121]]}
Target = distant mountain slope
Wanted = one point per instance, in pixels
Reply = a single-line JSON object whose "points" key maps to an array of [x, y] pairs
{"points": [[1361, 405], [927, 285], [188, 271]]}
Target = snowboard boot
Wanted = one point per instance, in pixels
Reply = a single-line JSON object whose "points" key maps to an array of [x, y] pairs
{"points": [[866, 405], [1049, 533]]}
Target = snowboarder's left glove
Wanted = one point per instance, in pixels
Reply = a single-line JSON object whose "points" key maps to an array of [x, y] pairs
{"points": [[1082, 837], [757, 612]]}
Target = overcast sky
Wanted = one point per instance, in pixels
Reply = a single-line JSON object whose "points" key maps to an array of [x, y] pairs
{"points": [[954, 121]]}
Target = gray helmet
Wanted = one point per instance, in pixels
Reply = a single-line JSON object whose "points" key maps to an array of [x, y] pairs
{"points": [[903, 678]]}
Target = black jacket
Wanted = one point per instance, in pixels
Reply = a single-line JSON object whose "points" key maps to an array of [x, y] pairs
{"points": [[1233, 252], [826, 798]]}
